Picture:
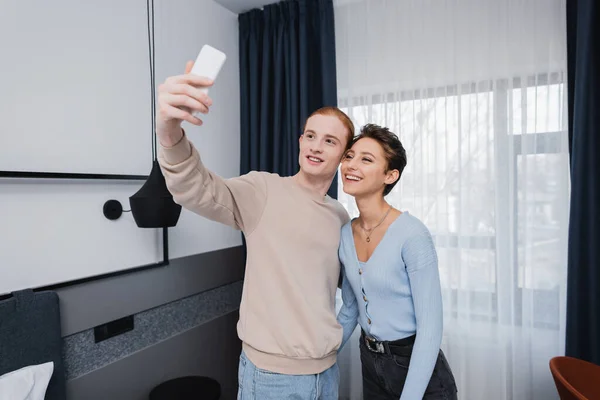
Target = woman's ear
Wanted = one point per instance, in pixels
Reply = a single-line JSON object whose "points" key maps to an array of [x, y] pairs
{"points": [[392, 176]]}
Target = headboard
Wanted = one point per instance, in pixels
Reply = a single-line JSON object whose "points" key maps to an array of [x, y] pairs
{"points": [[30, 334]]}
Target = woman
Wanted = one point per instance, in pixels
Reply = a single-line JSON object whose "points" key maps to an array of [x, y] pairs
{"points": [[391, 284]]}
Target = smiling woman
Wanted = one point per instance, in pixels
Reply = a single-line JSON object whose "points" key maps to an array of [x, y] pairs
{"points": [[375, 152], [391, 284]]}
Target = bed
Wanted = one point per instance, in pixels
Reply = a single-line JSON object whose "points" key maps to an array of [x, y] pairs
{"points": [[30, 339]]}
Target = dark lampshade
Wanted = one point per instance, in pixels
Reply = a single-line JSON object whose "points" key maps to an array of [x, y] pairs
{"points": [[153, 206]]}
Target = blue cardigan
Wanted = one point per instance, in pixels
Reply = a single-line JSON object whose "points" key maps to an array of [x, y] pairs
{"points": [[396, 294]]}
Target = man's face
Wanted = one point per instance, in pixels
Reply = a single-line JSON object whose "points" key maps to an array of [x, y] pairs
{"points": [[322, 146]]}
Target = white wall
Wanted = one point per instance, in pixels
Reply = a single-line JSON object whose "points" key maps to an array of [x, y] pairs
{"points": [[75, 80], [187, 25], [70, 118]]}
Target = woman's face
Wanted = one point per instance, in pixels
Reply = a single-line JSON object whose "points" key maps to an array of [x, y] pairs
{"points": [[365, 169]]}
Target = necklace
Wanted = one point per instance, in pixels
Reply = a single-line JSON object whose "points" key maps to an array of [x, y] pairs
{"points": [[369, 231]]}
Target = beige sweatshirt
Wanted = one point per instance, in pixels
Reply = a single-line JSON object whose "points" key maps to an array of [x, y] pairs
{"points": [[287, 315]]}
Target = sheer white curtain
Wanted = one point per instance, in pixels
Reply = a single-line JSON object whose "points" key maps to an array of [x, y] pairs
{"points": [[476, 91]]}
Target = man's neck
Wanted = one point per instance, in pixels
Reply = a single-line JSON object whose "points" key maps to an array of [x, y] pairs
{"points": [[318, 186], [372, 208]]}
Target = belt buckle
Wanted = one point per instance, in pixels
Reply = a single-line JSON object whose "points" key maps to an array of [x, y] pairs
{"points": [[378, 345]]}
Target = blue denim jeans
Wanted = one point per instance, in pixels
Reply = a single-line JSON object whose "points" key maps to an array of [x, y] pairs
{"points": [[257, 384]]}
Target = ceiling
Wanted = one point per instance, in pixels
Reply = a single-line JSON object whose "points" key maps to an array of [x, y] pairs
{"points": [[240, 6]]}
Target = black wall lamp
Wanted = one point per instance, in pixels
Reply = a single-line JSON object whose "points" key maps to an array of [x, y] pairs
{"points": [[153, 206]]}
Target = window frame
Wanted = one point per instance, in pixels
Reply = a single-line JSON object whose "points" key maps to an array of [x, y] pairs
{"points": [[523, 144]]}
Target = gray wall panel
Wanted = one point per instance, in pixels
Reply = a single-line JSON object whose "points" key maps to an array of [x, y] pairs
{"points": [[82, 354], [211, 349], [94, 303]]}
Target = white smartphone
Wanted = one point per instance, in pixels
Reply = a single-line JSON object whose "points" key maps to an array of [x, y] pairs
{"points": [[208, 64]]}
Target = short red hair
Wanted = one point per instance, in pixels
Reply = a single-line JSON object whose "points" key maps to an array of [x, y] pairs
{"points": [[339, 114]]}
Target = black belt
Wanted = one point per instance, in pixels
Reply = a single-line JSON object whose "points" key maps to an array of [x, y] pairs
{"points": [[401, 347]]}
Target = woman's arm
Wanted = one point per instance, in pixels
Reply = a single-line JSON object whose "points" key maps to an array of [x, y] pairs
{"points": [[421, 262]]}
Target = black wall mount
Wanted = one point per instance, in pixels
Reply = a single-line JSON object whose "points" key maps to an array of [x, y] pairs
{"points": [[112, 209]]}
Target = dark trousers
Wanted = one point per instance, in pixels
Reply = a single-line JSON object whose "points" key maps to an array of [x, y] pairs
{"points": [[385, 367]]}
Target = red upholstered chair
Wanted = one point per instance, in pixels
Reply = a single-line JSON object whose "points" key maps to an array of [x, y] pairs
{"points": [[575, 379]]}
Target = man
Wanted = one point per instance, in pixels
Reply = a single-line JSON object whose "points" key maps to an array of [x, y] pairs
{"points": [[287, 315]]}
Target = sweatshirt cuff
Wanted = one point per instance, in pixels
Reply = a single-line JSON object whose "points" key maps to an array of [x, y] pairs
{"points": [[177, 153]]}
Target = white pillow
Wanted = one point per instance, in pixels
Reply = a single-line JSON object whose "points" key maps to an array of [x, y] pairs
{"points": [[27, 383]]}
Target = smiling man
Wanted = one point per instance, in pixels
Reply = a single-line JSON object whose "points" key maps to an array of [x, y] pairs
{"points": [[287, 315]]}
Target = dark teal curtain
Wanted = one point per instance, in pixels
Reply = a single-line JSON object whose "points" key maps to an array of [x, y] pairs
{"points": [[287, 70], [583, 284]]}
